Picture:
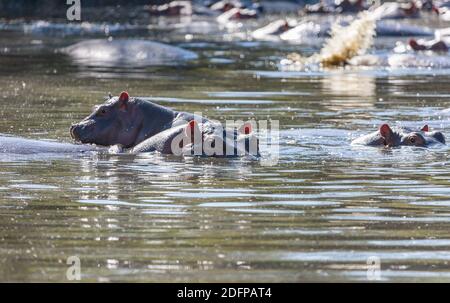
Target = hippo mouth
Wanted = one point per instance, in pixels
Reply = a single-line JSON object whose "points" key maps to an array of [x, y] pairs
{"points": [[80, 134], [72, 133]]}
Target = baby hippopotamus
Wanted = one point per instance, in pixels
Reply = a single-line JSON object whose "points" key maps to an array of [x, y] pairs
{"points": [[401, 136], [136, 125], [201, 139], [432, 45]]}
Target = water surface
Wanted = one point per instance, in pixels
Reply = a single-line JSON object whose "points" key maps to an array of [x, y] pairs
{"points": [[317, 215]]}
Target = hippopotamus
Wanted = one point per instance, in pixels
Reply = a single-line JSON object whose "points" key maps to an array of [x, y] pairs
{"points": [[135, 125], [273, 29], [440, 43], [397, 10], [395, 61], [336, 7], [237, 14], [401, 136], [431, 45], [24, 146], [225, 5], [202, 139], [393, 28], [171, 9], [126, 52]]}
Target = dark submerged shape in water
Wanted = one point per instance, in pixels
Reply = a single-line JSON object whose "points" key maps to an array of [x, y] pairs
{"points": [[433, 45], [401, 136], [135, 125]]}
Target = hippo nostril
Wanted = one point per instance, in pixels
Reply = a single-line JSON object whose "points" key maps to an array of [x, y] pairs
{"points": [[72, 131]]}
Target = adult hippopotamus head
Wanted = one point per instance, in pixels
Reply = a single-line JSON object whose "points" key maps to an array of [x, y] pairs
{"points": [[401, 136], [123, 120]]}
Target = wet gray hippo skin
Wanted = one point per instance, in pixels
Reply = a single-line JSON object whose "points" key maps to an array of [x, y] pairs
{"points": [[401, 136], [16, 145], [126, 121], [130, 52], [134, 125], [202, 139]]}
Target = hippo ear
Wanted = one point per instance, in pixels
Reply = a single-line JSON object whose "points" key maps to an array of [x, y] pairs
{"points": [[425, 128], [439, 136], [385, 131], [246, 128], [123, 100], [192, 130], [388, 135]]}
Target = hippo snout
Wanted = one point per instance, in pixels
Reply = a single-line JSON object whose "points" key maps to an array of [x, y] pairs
{"points": [[72, 133], [81, 131]]}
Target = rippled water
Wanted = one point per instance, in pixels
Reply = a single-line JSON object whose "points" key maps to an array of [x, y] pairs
{"points": [[317, 215]]}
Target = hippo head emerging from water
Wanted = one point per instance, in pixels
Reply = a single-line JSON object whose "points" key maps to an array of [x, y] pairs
{"points": [[211, 139], [122, 120], [402, 136], [206, 138], [137, 125]]}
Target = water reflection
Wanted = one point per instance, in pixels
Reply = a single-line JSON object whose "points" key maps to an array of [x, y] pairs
{"points": [[315, 216], [351, 85]]}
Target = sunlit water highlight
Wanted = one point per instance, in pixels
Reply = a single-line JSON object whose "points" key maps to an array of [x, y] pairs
{"points": [[317, 215]]}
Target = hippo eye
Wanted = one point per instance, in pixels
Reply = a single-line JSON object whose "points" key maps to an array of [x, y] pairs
{"points": [[101, 112]]}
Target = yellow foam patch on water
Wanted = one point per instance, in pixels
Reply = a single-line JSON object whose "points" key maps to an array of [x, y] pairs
{"points": [[345, 43]]}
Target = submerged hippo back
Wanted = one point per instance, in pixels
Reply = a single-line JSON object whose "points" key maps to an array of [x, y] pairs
{"points": [[15, 145], [127, 51], [160, 142]]}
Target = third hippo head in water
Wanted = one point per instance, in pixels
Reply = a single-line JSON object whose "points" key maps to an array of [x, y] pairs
{"points": [[137, 125], [401, 136]]}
